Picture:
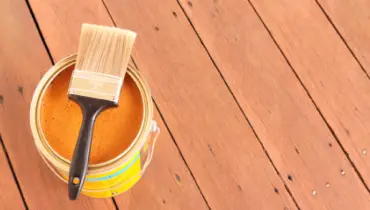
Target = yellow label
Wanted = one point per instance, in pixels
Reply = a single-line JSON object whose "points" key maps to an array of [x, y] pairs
{"points": [[113, 182]]}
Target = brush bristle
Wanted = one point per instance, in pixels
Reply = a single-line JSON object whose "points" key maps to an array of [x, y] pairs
{"points": [[104, 49]]}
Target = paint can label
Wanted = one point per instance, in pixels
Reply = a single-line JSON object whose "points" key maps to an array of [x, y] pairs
{"points": [[113, 182]]}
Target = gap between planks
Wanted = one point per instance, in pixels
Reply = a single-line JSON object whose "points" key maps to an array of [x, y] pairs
{"points": [[238, 104], [39, 31], [309, 95], [342, 38], [13, 172], [300, 83]]}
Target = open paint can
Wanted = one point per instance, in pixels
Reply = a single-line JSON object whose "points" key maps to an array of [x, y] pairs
{"points": [[123, 140]]}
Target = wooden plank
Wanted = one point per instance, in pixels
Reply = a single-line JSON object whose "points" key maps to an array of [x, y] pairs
{"points": [[327, 69], [10, 196], [227, 160], [167, 184], [22, 61], [351, 18], [279, 109]]}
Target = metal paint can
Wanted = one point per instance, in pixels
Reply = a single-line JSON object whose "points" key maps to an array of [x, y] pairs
{"points": [[116, 175]]}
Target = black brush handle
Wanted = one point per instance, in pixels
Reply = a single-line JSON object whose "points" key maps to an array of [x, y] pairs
{"points": [[91, 107]]}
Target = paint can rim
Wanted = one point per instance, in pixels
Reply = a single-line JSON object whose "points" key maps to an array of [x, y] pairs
{"points": [[63, 164]]}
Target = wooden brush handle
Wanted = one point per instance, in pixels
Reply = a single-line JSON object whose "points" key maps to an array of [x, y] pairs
{"points": [[90, 108]]}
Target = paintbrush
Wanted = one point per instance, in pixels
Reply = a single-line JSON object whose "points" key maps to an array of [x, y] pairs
{"points": [[96, 82]]}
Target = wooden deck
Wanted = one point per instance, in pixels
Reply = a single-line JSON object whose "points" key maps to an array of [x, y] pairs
{"points": [[263, 104]]}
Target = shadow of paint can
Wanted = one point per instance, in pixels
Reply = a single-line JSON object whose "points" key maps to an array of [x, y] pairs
{"points": [[116, 175]]}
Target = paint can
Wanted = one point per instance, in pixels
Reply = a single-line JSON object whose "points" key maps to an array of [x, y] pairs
{"points": [[112, 177]]}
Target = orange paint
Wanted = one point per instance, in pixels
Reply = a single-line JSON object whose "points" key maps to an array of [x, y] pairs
{"points": [[115, 128]]}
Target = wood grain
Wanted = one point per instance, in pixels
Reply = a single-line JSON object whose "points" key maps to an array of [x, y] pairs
{"points": [[22, 61], [351, 18], [167, 184], [225, 157], [327, 69], [285, 119], [10, 196]]}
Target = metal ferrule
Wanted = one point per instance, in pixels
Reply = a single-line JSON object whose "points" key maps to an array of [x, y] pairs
{"points": [[95, 85]]}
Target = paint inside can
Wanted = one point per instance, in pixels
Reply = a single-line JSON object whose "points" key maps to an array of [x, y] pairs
{"points": [[115, 128]]}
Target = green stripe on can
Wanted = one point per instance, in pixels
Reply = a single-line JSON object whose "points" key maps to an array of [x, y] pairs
{"points": [[115, 174]]}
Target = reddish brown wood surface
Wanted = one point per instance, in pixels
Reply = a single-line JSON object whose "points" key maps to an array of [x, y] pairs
{"points": [[227, 160], [280, 111], [327, 69], [167, 183], [224, 161], [10, 196], [23, 59], [351, 18], [239, 186], [77, 10]]}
